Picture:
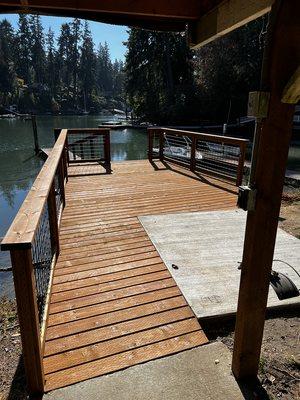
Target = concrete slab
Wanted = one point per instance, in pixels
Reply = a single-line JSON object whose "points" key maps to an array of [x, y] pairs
{"points": [[202, 373], [207, 248]]}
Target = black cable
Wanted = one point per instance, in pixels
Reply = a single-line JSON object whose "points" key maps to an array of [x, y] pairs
{"points": [[294, 269]]}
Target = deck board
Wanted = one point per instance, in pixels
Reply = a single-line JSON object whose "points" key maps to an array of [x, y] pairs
{"points": [[114, 303]]}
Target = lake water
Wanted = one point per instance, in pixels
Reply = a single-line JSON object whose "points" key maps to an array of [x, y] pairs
{"points": [[19, 166]]}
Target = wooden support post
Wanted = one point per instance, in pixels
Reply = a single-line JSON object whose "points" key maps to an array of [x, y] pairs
{"points": [[240, 171], [107, 152], [280, 62], [92, 149], [53, 220], [161, 145], [81, 151], [56, 133], [193, 154], [150, 145], [28, 318], [35, 134]]}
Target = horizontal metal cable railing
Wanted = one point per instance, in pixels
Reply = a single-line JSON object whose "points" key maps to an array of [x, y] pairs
{"points": [[89, 145], [212, 154]]}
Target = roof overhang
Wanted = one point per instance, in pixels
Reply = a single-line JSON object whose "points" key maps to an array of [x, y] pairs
{"points": [[206, 19]]}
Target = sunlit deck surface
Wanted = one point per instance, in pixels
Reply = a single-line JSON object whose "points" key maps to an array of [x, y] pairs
{"points": [[114, 303]]}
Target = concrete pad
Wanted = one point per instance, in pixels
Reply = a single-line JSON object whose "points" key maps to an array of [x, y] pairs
{"points": [[202, 373], [207, 247]]}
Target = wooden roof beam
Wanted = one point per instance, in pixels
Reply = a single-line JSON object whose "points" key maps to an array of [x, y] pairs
{"points": [[226, 17], [163, 8]]}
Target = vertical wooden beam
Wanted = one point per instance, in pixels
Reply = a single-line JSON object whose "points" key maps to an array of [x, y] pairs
{"points": [[28, 318], [56, 133], [150, 144], [35, 134], [161, 144], [92, 148], [193, 154], [107, 151], [281, 58], [240, 171]]}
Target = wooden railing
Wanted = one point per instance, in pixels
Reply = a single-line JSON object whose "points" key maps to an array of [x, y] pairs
{"points": [[34, 246], [221, 156], [33, 242], [89, 145]]}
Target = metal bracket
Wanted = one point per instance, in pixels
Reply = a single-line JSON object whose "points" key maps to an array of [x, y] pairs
{"points": [[246, 198], [258, 104]]}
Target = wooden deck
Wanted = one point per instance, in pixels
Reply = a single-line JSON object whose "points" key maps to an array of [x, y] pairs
{"points": [[114, 303]]}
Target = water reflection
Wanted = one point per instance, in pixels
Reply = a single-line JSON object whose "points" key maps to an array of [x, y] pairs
{"points": [[19, 166]]}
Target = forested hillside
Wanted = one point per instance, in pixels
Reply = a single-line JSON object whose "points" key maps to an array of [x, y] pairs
{"points": [[41, 73], [162, 81], [166, 82]]}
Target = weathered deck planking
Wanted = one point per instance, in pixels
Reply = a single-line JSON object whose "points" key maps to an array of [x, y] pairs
{"points": [[114, 304]]}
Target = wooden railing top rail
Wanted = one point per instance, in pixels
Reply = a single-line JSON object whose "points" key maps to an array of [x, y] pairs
{"points": [[88, 130], [22, 230], [205, 136]]}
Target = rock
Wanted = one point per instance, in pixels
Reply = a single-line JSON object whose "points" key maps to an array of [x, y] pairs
{"points": [[271, 379]]}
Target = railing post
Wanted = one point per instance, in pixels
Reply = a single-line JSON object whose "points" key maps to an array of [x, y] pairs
{"points": [[81, 151], [193, 154], [56, 133], [53, 220], [150, 145], [240, 171], [107, 151], [161, 145], [35, 134], [92, 148], [25, 290]]}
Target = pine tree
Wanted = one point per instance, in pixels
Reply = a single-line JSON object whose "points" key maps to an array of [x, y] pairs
{"points": [[104, 70], [7, 67], [87, 65], [23, 43], [51, 69], [159, 78], [38, 57], [74, 50]]}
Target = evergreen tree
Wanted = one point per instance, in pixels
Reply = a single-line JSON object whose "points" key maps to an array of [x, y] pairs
{"points": [[74, 50], [104, 70], [7, 67], [38, 57], [225, 78], [51, 69], [159, 78], [23, 44], [87, 65]]}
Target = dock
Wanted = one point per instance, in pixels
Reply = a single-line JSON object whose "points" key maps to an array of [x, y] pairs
{"points": [[110, 282], [91, 288]]}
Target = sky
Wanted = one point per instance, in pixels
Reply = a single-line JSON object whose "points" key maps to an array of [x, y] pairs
{"points": [[112, 34]]}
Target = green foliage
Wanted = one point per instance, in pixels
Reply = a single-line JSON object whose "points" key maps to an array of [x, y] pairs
{"points": [[159, 78], [163, 81], [41, 74], [227, 69], [168, 83]]}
